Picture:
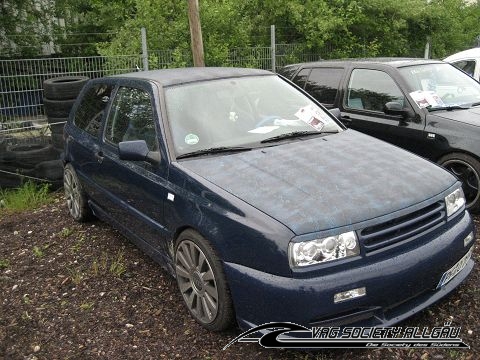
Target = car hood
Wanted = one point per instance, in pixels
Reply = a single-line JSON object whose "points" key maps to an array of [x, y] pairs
{"points": [[325, 182], [469, 116]]}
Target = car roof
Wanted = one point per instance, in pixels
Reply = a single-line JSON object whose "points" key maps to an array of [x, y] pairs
{"points": [[169, 77], [466, 54], [391, 61]]}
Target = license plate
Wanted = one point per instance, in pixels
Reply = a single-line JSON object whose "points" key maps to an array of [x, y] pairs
{"points": [[455, 269]]}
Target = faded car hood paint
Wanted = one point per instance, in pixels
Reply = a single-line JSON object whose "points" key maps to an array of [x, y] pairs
{"points": [[469, 116], [325, 182]]}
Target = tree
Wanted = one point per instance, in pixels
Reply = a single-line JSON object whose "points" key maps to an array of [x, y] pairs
{"points": [[26, 26]]}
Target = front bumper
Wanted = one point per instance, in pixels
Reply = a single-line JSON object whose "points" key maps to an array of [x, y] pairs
{"points": [[397, 286]]}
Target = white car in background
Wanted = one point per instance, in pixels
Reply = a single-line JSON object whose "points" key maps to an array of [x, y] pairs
{"points": [[468, 61]]}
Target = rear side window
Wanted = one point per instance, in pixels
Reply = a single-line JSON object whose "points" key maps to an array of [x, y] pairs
{"points": [[323, 84], [466, 65], [90, 111], [371, 90], [131, 118], [288, 71], [301, 78]]}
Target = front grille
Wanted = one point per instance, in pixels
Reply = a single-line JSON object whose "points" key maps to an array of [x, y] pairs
{"points": [[403, 228]]}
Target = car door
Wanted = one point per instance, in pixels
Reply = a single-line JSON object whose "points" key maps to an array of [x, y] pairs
{"points": [[134, 191], [84, 135], [363, 109]]}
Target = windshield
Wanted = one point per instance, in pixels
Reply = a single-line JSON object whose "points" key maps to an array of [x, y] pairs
{"points": [[240, 112], [440, 86]]}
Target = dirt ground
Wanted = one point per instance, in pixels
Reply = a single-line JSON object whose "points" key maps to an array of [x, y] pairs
{"points": [[82, 291]]}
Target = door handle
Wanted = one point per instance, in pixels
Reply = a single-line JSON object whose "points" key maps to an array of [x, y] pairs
{"points": [[99, 156]]}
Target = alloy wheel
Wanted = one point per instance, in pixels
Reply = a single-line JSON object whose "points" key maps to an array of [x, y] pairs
{"points": [[72, 193], [196, 281], [468, 176]]}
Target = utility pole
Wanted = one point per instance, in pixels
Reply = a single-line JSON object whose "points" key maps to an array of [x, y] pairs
{"points": [[195, 33]]}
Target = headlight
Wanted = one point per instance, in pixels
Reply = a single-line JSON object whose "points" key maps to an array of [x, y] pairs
{"points": [[454, 201], [322, 250]]}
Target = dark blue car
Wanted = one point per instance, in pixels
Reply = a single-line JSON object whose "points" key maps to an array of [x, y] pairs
{"points": [[260, 203]]}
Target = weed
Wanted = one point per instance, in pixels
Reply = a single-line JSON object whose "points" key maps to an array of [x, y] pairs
{"points": [[78, 244], [4, 263], [115, 266], [38, 252], [27, 197], [76, 275], [26, 299], [66, 232], [87, 306], [26, 316]]}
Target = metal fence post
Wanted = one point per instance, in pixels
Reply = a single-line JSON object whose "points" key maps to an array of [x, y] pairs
{"points": [[272, 47], [426, 54], [144, 49]]}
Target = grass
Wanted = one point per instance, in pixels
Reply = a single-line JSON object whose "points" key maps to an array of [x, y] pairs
{"points": [[66, 232], [87, 306], [27, 197], [115, 265], [38, 252], [4, 263]]}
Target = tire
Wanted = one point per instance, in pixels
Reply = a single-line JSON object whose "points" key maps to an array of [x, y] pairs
{"points": [[28, 156], [58, 108], [57, 141], [75, 195], [49, 170], [467, 169], [202, 282], [63, 87], [56, 124]]}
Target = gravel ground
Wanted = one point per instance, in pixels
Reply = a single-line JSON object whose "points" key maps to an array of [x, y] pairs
{"points": [[82, 291]]}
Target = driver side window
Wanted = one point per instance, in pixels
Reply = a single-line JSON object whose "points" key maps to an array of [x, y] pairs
{"points": [[371, 90], [131, 118]]}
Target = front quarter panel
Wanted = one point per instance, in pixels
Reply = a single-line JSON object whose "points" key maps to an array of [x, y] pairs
{"points": [[447, 136], [240, 233]]}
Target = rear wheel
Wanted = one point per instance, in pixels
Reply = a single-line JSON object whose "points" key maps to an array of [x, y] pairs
{"points": [[202, 282], [467, 169], [75, 196]]}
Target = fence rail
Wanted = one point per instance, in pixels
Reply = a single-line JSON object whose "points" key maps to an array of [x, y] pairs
{"points": [[21, 81]]}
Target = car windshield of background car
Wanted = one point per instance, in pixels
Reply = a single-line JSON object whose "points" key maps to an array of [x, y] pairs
{"points": [[240, 112], [441, 86]]}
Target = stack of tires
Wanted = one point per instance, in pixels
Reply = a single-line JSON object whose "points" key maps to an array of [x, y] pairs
{"points": [[29, 161], [59, 95], [40, 161]]}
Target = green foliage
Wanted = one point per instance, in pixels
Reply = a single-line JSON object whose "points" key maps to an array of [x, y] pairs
{"points": [[27, 197], [332, 28], [4, 264], [66, 232], [24, 26], [115, 265], [38, 252], [87, 306]]}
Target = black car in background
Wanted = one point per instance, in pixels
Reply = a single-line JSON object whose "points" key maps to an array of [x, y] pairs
{"points": [[426, 106]]}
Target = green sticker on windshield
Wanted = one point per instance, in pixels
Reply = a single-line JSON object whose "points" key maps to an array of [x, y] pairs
{"points": [[191, 139]]}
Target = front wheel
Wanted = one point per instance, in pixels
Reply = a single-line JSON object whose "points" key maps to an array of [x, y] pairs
{"points": [[467, 169], [202, 282]]}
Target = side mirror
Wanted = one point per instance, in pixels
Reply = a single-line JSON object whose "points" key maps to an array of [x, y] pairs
{"points": [[336, 112], [394, 108], [137, 150]]}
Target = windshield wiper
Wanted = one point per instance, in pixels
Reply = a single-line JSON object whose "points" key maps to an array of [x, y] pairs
{"points": [[447, 108], [475, 104], [296, 134], [214, 150]]}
